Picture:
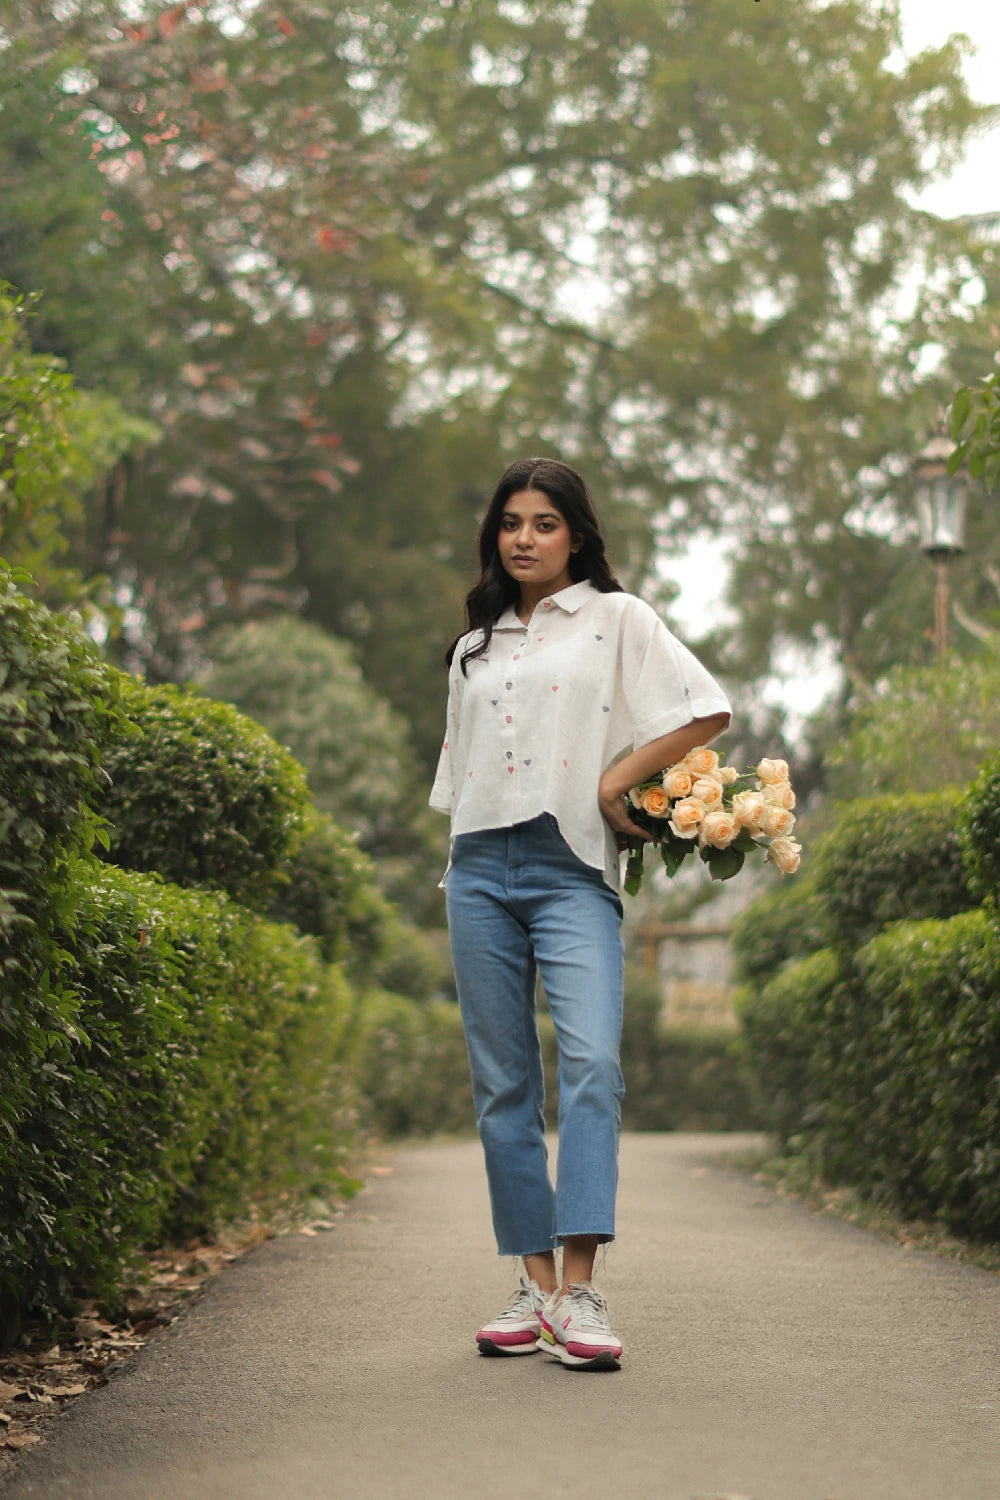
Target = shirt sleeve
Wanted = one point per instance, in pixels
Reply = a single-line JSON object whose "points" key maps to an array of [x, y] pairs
{"points": [[443, 790], [664, 684]]}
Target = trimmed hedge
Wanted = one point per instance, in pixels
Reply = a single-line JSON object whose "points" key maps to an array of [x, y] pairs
{"points": [[59, 714], [879, 1056], [793, 1028], [787, 922], [327, 889], [932, 1126], [887, 1070], [890, 859], [409, 1061], [981, 832], [197, 1072], [203, 795]]}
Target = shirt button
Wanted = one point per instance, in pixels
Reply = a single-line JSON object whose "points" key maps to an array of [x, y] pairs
{"points": [[508, 719], [508, 686], [517, 656]]}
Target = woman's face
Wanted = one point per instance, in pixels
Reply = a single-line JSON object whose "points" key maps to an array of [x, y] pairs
{"points": [[535, 542]]}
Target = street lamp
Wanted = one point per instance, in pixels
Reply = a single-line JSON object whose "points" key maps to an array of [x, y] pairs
{"points": [[940, 502]]}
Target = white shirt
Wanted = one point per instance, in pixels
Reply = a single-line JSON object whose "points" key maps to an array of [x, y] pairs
{"points": [[555, 702]]}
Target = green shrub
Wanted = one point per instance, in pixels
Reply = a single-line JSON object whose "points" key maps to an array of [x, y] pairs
{"points": [[203, 795], [306, 687], [327, 889], [414, 962], [932, 1114], [197, 1072], [981, 832], [793, 1027], [886, 1071], [59, 714], [678, 1080], [787, 922], [890, 859], [410, 1063]]}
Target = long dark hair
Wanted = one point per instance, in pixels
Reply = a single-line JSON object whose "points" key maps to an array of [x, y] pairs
{"points": [[496, 590]]}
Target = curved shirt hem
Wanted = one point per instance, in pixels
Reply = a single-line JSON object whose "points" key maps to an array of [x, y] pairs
{"points": [[601, 867]]}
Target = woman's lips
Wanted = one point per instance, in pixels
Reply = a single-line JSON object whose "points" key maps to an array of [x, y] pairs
{"points": [[524, 559]]}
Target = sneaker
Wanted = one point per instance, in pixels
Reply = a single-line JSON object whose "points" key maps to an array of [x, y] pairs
{"points": [[517, 1328], [575, 1330]]}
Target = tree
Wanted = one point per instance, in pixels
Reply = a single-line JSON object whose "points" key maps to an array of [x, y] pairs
{"points": [[56, 442], [307, 689], [348, 259], [922, 730]]}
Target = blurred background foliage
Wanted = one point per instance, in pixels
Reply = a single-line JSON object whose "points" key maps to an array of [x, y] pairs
{"points": [[350, 261]]}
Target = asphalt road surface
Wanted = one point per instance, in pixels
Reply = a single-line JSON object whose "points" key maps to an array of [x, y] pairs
{"points": [[770, 1354]]}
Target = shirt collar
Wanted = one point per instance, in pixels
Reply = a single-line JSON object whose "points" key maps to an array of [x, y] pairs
{"points": [[568, 600]]}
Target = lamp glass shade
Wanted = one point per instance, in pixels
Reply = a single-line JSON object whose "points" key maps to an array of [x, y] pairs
{"points": [[940, 501]]}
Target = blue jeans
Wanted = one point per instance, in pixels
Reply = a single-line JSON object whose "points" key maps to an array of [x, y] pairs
{"points": [[519, 897]]}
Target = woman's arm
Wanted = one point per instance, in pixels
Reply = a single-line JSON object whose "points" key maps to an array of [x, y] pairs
{"points": [[644, 763]]}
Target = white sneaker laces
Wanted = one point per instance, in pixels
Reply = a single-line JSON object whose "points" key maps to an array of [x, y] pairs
{"points": [[589, 1308], [522, 1305]]}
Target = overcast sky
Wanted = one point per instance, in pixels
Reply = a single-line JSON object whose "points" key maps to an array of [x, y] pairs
{"points": [[975, 187]]}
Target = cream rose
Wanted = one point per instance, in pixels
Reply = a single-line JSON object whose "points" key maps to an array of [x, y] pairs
{"points": [[769, 771], [706, 789], [776, 821], [727, 775], [785, 855], [677, 782], [780, 792], [686, 817], [748, 809], [656, 803], [700, 761], [635, 796], [718, 829]]}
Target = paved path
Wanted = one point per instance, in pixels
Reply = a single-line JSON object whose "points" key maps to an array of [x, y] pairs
{"points": [[770, 1353]]}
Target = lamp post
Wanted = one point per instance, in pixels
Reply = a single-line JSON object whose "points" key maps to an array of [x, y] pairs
{"points": [[940, 501]]}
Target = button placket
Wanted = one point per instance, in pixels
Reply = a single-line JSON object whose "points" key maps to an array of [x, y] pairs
{"points": [[510, 705]]}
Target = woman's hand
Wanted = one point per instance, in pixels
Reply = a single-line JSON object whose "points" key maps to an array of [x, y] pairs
{"points": [[641, 765], [614, 810]]}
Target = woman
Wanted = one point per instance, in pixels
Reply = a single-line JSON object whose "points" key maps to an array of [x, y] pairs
{"points": [[564, 692]]}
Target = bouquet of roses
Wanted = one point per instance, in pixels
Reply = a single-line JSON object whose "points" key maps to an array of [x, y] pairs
{"points": [[723, 813]]}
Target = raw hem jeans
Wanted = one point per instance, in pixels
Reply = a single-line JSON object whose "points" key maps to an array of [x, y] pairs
{"points": [[519, 898]]}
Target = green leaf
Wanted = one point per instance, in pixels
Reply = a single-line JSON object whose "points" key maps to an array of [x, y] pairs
{"points": [[960, 409], [723, 864], [674, 854], [956, 459]]}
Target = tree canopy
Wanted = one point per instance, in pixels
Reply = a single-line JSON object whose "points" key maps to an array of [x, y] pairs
{"points": [[352, 260]]}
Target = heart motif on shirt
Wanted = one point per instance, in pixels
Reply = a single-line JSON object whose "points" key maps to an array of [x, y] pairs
{"points": [[511, 769], [606, 708], [494, 701], [555, 687], [598, 637], [528, 761], [510, 755], [565, 762], [539, 637]]}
